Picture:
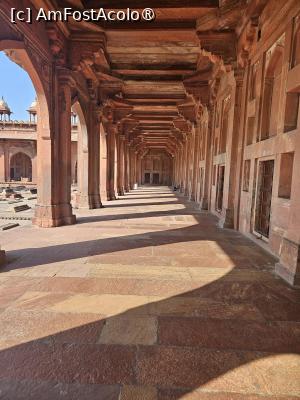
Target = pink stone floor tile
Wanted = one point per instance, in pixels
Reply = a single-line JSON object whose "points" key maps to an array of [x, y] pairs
{"points": [[145, 299]]}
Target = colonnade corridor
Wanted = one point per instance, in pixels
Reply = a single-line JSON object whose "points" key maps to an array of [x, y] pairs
{"points": [[145, 299]]}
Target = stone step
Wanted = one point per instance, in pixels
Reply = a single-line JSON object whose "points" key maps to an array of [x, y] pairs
{"points": [[21, 207], [8, 226]]}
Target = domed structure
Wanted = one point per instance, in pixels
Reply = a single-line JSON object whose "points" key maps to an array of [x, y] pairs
{"points": [[5, 111], [32, 110]]}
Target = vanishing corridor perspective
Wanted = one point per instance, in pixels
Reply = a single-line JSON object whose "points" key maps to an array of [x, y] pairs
{"points": [[146, 299], [156, 189]]}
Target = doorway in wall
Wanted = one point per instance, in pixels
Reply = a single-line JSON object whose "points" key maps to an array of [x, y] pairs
{"points": [[147, 178], [220, 188], [264, 197], [155, 179]]}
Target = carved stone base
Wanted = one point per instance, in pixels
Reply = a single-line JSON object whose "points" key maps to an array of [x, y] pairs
{"points": [[121, 192], [203, 204], [288, 267], [227, 220], [53, 216], [95, 201], [111, 196], [90, 202], [192, 197], [2, 257]]}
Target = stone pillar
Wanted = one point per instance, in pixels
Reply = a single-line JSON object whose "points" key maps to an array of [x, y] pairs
{"points": [[34, 166], [132, 168], [241, 142], [195, 150], [7, 162], [103, 163], [2, 179], [182, 166], [111, 143], [175, 169], [121, 165], [88, 165], [126, 167], [187, 166], [116, 162], [2, 162], [94, 198], [208, 115], [54, 160], [139, 170], [230, 184]]}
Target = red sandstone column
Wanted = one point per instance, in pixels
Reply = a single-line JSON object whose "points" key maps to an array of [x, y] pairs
{"points": [[126, 166], [34, 169], [54, 161], [209, 114], [230, 184], [116, 162], [139, 170], [121, 162], [111, 143], [175, 169], [103, 162], [182, 166], [195, 149], [241, 145], [94, 199], [187, 166], [2, 163], [131, 168]]}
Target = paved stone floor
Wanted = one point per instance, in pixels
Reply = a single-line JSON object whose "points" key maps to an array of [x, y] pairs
{"points": [[145, 299]]}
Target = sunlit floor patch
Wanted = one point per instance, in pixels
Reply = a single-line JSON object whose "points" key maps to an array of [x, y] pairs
{"points": [[151, 302]]}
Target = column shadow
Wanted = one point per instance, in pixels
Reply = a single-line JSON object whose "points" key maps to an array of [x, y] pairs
{"points": [[92, 337]]}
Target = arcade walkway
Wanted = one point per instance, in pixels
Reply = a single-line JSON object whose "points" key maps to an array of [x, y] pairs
{"points": [[145, 299]]}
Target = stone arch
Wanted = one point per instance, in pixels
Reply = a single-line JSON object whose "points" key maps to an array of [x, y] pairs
{"points": [[39, 73], [296, 43], [271, 91], [18, 53], [27, 151], [20, 167], [82, 164]]}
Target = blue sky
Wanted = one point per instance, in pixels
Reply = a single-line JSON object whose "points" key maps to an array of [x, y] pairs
{"points": [[16, 88]]}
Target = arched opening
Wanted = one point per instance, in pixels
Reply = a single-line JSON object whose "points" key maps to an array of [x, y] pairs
{"points": [[38, 167], [296, 43], [79, 156], [271, 91], [103, 162], [20, 167]]}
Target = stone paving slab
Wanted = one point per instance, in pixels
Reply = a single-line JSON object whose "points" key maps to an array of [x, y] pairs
{"points": [[146, 299]]}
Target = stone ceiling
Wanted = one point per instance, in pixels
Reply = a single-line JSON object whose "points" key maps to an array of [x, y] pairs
{"points": [[158, 74]]}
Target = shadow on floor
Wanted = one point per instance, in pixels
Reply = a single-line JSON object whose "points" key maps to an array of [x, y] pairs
{"points": [[111, 205], [174, 346], [225, 338]]}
